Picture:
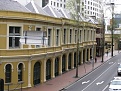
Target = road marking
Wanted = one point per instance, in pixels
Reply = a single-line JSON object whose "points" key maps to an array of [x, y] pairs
{"points": [[98, 77], [85, 82], [98, 83], [110, 62], [105, 88], [84, 76]]}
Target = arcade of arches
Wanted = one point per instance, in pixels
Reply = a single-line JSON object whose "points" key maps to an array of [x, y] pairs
{"points": [[58, 64]]}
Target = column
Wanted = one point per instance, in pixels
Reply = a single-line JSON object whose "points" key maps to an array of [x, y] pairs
{"points": [[81, 56], [29, 73], [89, 54], [60, 65], [67, 61], [53, 68], [72, 65], [43, 75]]}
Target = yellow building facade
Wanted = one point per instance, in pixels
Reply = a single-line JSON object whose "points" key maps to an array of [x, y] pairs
{"points": [[27, 65]]}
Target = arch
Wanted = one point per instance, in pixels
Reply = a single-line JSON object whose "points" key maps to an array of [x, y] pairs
{"points": [[69, 60], [48, 69], [8, 73], [64, 63], [7, 64], [37, 73], [56, 66], [23, 65]]}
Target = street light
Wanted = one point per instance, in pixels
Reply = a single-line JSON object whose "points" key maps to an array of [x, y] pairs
{"points": [[77, 12], [112, 6]]}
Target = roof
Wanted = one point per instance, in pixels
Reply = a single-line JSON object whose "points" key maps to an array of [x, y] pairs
{"points": [[52, 12], [11, 5], [33, 7], [65, 13]]}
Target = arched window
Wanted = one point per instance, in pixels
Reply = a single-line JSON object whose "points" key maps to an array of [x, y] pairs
{"points": [[8, 73], [20, 72]]}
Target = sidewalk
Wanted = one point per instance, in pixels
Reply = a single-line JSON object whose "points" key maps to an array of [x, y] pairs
{"points": [[58, 83]]}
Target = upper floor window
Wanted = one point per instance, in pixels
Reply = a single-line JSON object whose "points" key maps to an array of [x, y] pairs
{"points": [[8, 73], [57, 37], [49, 37], [70, 35], [14, 33], [64, 36], [75, 36]]}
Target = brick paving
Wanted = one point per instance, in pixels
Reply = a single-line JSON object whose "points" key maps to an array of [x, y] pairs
{"points": [[58, 83]]}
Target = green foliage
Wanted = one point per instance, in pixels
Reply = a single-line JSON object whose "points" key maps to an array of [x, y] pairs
{"points": [[116, 37]]}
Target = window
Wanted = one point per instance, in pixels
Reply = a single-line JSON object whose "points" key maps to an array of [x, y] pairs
{"points": [[14, 41], [75, 36], [8, 73], [57, 37], [80, 35], [84, 35], [20, 72], [70, 34], [64, 37], [49, 37]]}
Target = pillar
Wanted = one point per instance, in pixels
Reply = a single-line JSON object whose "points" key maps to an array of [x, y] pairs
{"points": [[43, 71], [53, 68]]}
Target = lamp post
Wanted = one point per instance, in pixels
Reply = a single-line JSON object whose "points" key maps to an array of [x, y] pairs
{"points": [[77, 12], [112, 4], [103, 38]]}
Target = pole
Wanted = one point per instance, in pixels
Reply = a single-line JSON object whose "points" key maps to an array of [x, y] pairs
{"points": [[77, 12], [112, 26], [103, 33]]}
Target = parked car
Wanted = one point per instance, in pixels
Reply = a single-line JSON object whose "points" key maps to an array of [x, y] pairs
{"points": [[119, 70], [115, 84]]}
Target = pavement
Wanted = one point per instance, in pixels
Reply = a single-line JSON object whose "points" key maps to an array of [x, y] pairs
{"points": [[68, 78]]}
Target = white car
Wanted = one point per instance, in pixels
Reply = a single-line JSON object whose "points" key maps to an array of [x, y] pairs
{"points": [[119, 70], [115, 85]]}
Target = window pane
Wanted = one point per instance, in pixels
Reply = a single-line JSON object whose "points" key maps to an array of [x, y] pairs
{"points": [[17, 42], [11, 29], [10, 41], [17, 29]]}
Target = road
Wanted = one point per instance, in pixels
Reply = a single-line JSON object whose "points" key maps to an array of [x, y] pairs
{"points": [[99, 78]]}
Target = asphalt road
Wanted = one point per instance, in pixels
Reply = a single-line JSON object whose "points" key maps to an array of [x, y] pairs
{"points": [[99, 78]]}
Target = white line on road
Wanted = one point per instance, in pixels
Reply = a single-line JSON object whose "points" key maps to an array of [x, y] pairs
{"points": [[110, 62], [98, 83], [85, 82], [105, 88], [98, 77]]}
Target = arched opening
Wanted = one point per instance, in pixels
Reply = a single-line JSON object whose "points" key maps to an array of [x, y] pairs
{"points": [[79, 58], [48, 69], [64, 63], [37, 75], [69, 61], [57, 66], [74, 59]]}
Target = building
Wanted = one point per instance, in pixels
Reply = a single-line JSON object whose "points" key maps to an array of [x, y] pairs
{"points": [[31, 64]]}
